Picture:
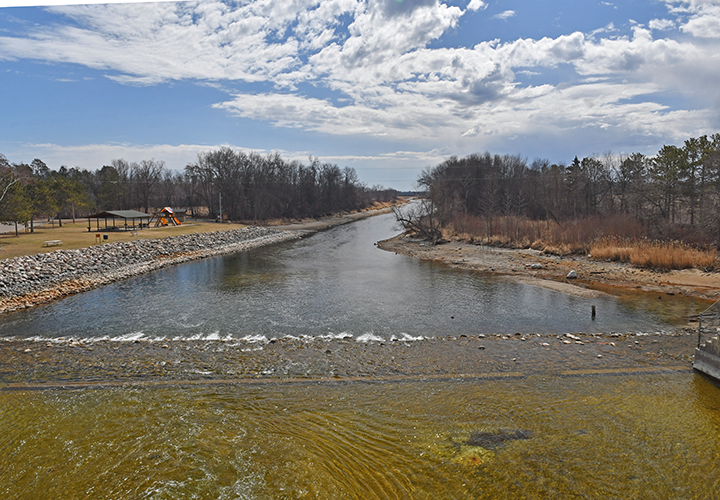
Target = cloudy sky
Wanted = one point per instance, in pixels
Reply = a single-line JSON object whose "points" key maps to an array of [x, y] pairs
{"points": [[385, 86]]}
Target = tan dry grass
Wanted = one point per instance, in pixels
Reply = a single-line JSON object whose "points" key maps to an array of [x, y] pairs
{"points": [[672, 256], [612, 249], [661, 255], [76, 236], [614, 238], [565, 238]]}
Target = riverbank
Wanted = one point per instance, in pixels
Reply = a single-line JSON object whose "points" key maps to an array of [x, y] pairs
{"points": [[30, 280], [75, 235], [38, 279], [77, 363], [550, 271]]}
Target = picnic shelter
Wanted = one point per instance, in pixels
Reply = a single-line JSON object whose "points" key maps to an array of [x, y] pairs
{"points": [[132, 220]]}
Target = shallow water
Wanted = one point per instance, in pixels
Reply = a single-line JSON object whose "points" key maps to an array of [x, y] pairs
{"points": [[642, 436], [333, 283]]}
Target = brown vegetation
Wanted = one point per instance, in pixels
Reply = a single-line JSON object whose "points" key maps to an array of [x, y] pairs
{"points": [[653, 254], [561, 238], [614, 238]]}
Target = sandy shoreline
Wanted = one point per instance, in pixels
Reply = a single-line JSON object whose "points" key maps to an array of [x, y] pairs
{"points": [[593, 276]]}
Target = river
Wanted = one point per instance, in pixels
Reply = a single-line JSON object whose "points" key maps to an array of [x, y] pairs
{"points": [[536, 434], [333, 283]]}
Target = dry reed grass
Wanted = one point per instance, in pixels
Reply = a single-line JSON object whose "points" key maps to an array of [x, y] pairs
{"points": [[612, 248], [653, 254], [566, 238], [614, 238]]}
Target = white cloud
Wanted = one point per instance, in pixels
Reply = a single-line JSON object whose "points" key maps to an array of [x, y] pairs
{"points": [[506, 15], [661, 24], [48, 3], [476, 5], [376, 55], [188, 40], [705, 25], [403, 116], [375, 41], [94, 156], [608, 28], [701, 17]]}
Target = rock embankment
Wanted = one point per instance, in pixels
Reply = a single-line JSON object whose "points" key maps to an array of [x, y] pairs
{"points": [[30, 280]]}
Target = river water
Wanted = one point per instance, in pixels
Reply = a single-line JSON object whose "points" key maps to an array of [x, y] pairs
{"points": [[539, 435], [333, 283]]}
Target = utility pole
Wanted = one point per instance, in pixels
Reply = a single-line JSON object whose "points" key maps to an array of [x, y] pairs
{"points": [[220, 196]]}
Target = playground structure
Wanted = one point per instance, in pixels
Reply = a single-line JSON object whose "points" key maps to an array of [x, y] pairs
{"points": [[166, 217]]}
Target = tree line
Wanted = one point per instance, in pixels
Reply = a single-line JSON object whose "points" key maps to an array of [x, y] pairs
{"points": [[674, 194], [249, 187]]}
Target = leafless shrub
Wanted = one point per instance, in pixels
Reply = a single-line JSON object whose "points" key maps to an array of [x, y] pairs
{"points": [[419, 219]]}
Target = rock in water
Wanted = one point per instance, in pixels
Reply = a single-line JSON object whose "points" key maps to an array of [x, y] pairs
{"points": [[491, 440], [571, 275]]}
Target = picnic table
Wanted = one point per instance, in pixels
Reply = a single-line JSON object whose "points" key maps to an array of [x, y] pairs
{"points": [[52, 243]]}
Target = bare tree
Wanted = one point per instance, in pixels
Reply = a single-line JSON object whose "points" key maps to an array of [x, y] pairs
{"points": [[7, 177], [145, 177], [122, 167], [419, 218], [6, 184]]}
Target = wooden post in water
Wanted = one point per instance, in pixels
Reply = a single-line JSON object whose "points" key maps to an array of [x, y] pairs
{"points": [[593, 313], [699, 331]]}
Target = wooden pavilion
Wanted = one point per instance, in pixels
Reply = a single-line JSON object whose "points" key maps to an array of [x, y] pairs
{"points": [[137, 220]]}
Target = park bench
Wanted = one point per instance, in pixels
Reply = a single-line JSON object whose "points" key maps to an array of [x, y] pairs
{"points": [[52, 243]]}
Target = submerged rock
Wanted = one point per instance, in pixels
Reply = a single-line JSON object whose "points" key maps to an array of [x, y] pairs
{"points": [[491, 440], [473, 455]]}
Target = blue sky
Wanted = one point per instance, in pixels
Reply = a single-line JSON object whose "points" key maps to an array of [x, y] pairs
{"points": [[385, 86]]}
